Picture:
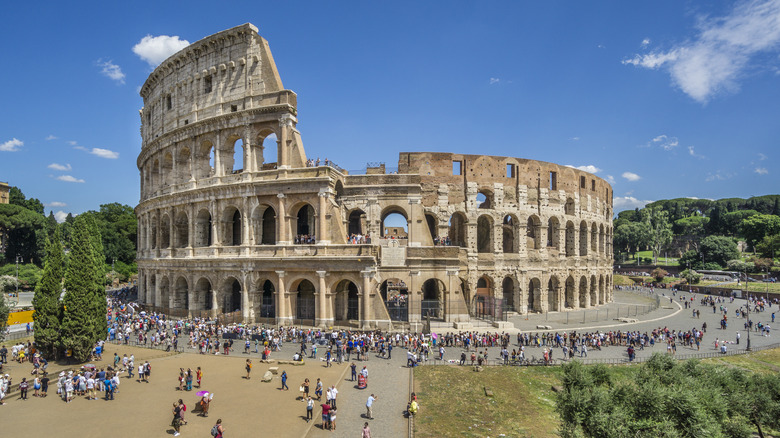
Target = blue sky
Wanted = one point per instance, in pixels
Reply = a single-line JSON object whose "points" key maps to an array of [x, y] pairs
{"points": [[665, 98]]}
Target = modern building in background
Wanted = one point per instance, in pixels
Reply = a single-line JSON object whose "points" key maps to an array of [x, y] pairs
{"points": [[236, 220]]}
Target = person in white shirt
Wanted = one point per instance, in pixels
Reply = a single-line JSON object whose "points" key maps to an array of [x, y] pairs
{"points": [[333, 393], [91, 389]]}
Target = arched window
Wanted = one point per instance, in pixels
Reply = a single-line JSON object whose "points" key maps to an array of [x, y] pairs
{"points": [[268, 303], [181, 298], [232, 231], [305, 225], [167, 170], [156, 183], [570, 239], [394, 224], [238, 156], [304, 302], [570, 297], [264, 222], [601, 239], [583, 239], [583, 292], [508, 293], [181, 229], [457, 232], [594, 237], [432, 303], [165, 232], [485, 234], [203, 229], [553, 233], [183, 165], [508, 231], [484, 199], [231, 296], [569, 207], [357, 220], [432, 226], [533, 232], [552, 294], [269, 151], [346, 302], [204, 295], [204, 164], [534, 293]]}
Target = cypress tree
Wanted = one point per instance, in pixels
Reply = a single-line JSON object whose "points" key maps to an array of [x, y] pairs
{"points": [[98, 300], [79, 326], [46, 301]]}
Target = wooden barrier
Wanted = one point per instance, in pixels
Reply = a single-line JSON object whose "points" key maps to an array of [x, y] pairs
{"points": [[20, 317]]}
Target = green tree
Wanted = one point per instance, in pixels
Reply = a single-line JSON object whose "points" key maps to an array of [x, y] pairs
{"points": [[692, 227], [98, 299], [22, 232], [769, 246], [79, 325], [51, 225], [718, 250], [118, 228], [659, 230], [4, 311], [691, 276], [46, 301], [756, 227]]}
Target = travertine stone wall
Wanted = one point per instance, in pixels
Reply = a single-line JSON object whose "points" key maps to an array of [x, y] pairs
{"points": [[270, 240]]}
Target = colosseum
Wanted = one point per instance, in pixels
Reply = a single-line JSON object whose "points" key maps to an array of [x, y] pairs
{"points": [[236, 221]]}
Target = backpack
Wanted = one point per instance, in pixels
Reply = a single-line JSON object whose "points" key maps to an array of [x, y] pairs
{"points": [[215, 430]]}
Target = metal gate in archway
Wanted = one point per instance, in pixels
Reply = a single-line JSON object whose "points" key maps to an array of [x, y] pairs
{"points": [[304, 307], [398, 309], [490, 308], [431, 308]]}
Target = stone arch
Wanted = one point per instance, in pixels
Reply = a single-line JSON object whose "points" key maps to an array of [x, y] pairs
{"points": [[393, 210], [583, 291], [304, 299], [267, 294], [433, 292], [568, 208], [183, 164], [457, 231], [231, 295], [552, 294], [570, 239], [232, 229], [165, 231], [594, 237], [356, 222], [166, 170], [264, 225], [346, 302], [306, 221], [236, 164], [534, 295], [266, 150], [203, 228], [601, 239], [485, 286], [485, 199], [181, 294], [154, 227], [533, 232], [181, 230], [485, 234], [553, 233], [602, 295], [203, 295], [570, 296], [594, 299], [155, 175], [508, 293], [165, 291], [205, 160], [433, 225], [509, 229], [583, 238]]}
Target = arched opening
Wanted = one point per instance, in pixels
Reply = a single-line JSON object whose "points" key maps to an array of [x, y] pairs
{"points": [[204, 164], [231, 296], [204, 295], [553, 233], [156, 183], [485, 234], [305, 225], [357, 222], [552, 294], [267, 301], [570, 243], [203, 229], [181, 229], [508, 293], [395, 224], [181, 297], [433, 225], [570, 298], [533, 232], [167, 169], [457, 231], [238, 156], [264, 225], [165, 292], [508, 231], [232, 231], [346, 302], [594, 299], [269, 152], [601, 239], [153, 240], [395, 294], [583, 292], [594, 237], [484, 199], [183, 165], [304, 301], [583, 239], [534, 295], [568, 208], [433, 299], [165, 232], [602, 294]]}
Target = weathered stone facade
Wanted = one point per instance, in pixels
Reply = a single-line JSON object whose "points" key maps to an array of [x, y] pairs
{"points": [[271, 240], [5, 191]]}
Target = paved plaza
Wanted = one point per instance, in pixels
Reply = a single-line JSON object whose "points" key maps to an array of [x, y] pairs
{"points": [[251, 407]]}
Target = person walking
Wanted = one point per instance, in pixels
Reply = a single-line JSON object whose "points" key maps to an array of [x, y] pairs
{"points": [[333, 393], [199, 375], [369, 406], [218, 431], [23, 387], [248, 368], [176, 422], [309, 409], [366, 431], [353, 367], [284, 382]]}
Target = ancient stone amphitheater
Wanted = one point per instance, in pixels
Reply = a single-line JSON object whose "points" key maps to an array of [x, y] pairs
{"points": [[235, 220]]}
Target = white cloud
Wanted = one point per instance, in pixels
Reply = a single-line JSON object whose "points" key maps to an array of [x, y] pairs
{"points": [[104, 153], [620, 203], [575, 139], [60, 216], [11, 145], [762, 157], [72, 142], [611, 179], [51, 137], [665, 142], [631, 176], [718, 176], [55, 166], [111, 70], [645, 42], [588, 168], [761, 170], [494, 81], [56, 204], [155, 50], [69, 178], [81, 148], [693, 153], [714, 60]]}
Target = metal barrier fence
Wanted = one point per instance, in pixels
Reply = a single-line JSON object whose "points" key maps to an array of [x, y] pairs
{"points": [[608, 313], [162, 346], [18, 335]]}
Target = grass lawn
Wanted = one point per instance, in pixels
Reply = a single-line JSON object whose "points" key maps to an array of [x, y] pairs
{"points": [[630, 260], [454, 404], [753, 286]]}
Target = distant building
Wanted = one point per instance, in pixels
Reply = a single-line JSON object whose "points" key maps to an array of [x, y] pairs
{"points": [[5, 190]]}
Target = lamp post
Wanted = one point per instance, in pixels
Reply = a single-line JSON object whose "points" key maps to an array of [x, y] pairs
{"points": [[747, 297]]}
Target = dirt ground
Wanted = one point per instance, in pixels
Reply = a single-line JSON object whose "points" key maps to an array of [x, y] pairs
{"points": [[246, 407]]}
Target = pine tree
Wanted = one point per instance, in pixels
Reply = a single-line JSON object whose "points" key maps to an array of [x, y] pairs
{"points": [[79, 327], [46, 301], [99, 302]]}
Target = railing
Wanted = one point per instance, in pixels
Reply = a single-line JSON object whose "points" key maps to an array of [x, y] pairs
{"points": [[609, 313]]}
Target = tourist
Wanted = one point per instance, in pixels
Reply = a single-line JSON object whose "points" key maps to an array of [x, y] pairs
{"points": [[284, 382], [366, 431], [23, 386], [318, 390], [91, 395], [44, 385], [182, 410], [353, 367], [218, 431], [309, 409], [188, 379], [325, 416], [199, 375], [248, 368], [305, 387], [333, 418], [333, 393], [176, 422], [369, 407]]}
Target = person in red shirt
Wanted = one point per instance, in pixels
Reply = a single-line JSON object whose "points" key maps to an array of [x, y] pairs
{"points": [[325, 416]]}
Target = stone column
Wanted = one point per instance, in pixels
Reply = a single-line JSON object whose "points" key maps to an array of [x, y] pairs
{"points": [[452, 311], [323, 234], [285, 123], [215, 236], [218, 171], [413, 297], [367, 319], [245, 296], [192, 217], [413, 239], [171, 228], [322, 312], [282, 238], [282, 315], [191, 301], [214, 300]]}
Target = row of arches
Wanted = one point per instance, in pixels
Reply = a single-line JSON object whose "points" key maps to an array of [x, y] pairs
{"points": [[560, 294]]}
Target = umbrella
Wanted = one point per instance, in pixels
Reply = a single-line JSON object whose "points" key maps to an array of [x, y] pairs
{"points": [[202, 393], [433, 335]]}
